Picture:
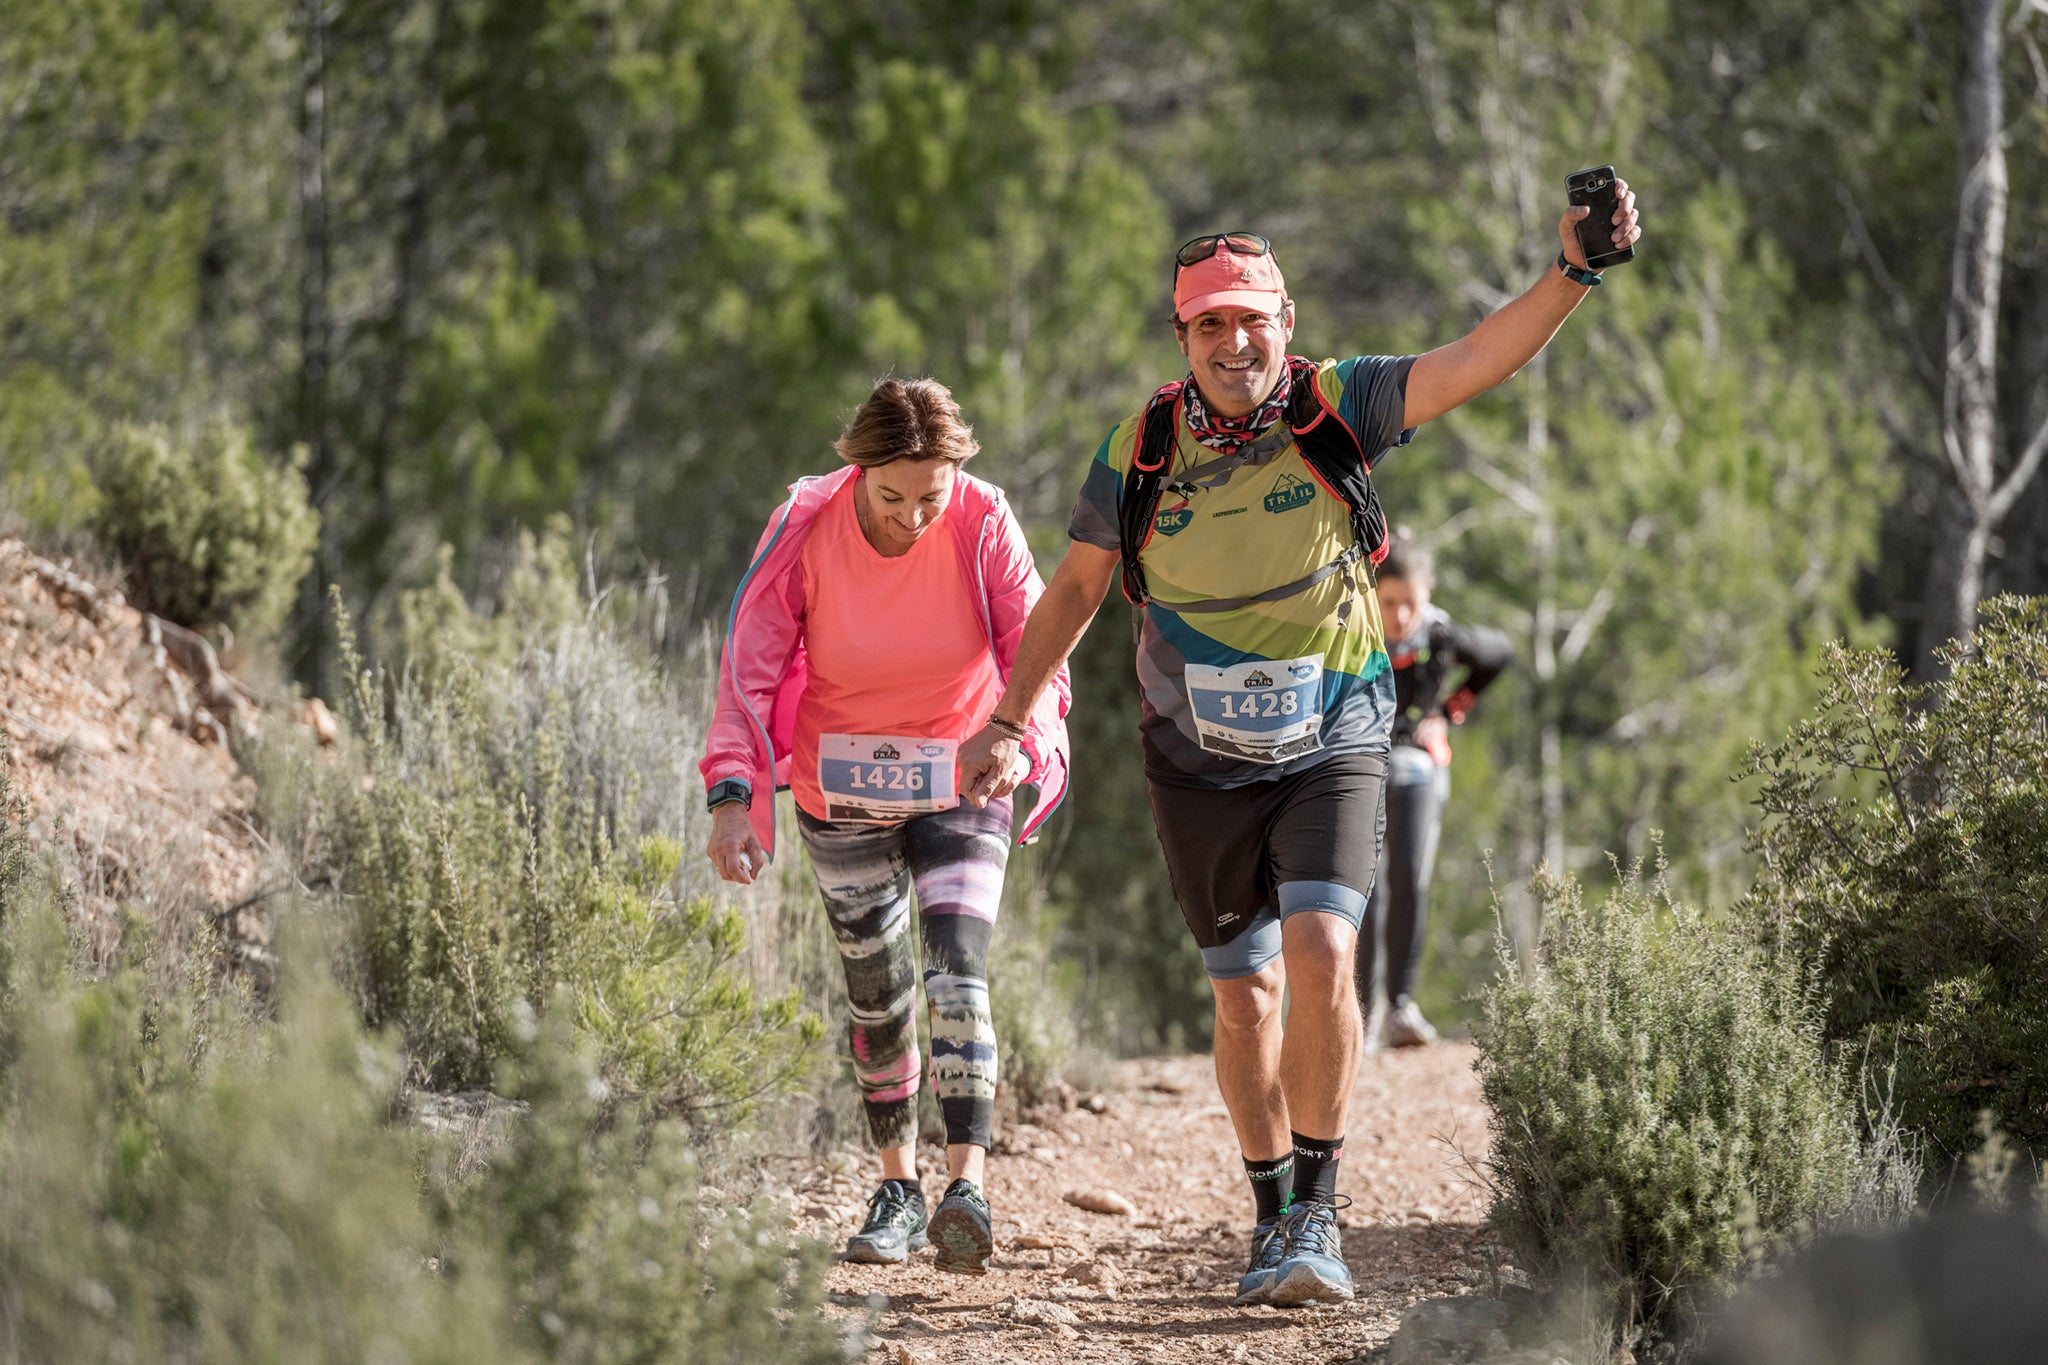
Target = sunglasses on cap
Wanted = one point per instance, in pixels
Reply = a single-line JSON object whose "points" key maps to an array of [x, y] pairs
{"points": [[1202, 248]]}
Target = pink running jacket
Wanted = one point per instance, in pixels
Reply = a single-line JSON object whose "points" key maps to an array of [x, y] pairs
{"points": [[762, 669]]}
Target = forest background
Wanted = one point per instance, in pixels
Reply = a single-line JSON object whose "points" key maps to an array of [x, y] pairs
{"points": [[623, 267]]}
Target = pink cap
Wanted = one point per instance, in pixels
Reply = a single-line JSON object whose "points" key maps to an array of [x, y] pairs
{"points": [[1228, 280]]}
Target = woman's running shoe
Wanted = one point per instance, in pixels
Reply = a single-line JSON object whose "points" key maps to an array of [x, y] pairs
{"points": [[960, 1230], [895, 1225], [1268, 1246], [1312, 1267]]}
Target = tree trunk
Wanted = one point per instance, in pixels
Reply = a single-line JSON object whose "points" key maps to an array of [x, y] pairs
{"points": [[1972, 432], [315, 344], [1543, 656]]}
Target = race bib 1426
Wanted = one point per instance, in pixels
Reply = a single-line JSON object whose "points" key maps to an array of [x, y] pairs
{"points": [[884, 778]]}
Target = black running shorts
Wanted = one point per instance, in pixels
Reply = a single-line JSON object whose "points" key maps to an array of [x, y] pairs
{"points": [[1245, 858]]}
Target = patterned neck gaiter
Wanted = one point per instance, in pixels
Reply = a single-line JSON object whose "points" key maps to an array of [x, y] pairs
{"points": [[1227, 435]]}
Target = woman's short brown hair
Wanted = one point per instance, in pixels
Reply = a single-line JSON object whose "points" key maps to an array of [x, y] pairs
{"points": [[907, 419]]}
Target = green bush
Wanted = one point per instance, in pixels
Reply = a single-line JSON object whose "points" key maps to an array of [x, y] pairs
{"points": [[535, 600], [1905, 862], [486, 834], [183, 1184], [208, 529], [1662, 1111]]}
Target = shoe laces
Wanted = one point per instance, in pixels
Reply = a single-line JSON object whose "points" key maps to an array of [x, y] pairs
{"points": [[890, 1205], [1269, 1246], [1312, 1227]]}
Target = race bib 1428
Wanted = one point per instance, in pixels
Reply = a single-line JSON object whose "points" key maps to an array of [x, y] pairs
{"points": [[1262, 712]]}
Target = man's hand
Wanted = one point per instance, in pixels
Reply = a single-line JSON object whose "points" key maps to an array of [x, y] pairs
{"points": [[1626, 229], [991, 765], [733, 849], [1503, 342]]}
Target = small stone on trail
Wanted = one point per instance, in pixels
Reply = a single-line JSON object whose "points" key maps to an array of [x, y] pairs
{"points": [[1101, 1201], [1102, 1274], [1036, 1310], [1096, 1103]]}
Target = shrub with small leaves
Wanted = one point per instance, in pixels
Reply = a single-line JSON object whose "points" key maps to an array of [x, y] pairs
{"points": [[210, 531], [1905, 862], [1662, 1111], [185, 1183], [487, 833]]}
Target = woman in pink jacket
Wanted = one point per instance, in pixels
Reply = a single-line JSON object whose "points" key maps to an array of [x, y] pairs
{"points": [[873, 632]]}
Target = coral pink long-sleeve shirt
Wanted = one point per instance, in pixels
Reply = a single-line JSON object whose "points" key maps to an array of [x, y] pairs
{"points": [[896, 643]]}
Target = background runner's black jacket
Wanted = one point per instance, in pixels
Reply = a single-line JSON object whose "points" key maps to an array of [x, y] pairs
{"points": [[1440, 667]]}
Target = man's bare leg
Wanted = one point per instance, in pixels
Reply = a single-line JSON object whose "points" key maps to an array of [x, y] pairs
{"points": [[1248, 1061], [1319, 1058]]}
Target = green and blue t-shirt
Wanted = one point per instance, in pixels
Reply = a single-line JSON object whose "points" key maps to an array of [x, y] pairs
{"points": [[1232, 697]]}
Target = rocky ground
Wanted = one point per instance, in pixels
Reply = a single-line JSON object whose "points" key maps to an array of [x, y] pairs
{"points": [[125, 777], [1068, 1284]]}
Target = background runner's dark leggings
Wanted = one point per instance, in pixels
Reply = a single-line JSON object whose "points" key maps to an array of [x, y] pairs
{"points": [[1416, 789], [955, 860]]}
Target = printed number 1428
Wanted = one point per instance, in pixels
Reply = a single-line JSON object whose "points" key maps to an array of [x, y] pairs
{"points": [[1259, 704]]}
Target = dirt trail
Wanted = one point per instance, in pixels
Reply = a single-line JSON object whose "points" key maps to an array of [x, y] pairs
{"points": [[1073, 1285]]}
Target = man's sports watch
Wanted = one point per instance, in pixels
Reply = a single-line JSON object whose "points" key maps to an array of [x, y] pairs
{"points": [[731, 789], [1575, 274]]}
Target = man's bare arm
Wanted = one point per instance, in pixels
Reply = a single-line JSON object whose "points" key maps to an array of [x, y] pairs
{"points": [[1056, 625], [1508, 339]]}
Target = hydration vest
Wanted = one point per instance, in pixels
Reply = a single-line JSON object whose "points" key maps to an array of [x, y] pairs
{"points": [[1335, 457]]}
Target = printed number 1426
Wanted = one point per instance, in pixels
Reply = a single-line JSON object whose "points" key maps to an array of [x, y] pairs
{"points": [[890, 778]]}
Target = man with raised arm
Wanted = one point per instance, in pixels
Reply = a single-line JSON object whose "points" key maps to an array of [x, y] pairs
{"points": [[1237, 510]]}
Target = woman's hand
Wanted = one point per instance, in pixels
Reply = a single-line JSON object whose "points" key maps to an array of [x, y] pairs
{"points": [[733, 849]]}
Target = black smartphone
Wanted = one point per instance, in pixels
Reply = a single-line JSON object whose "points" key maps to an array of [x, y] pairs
{"points": [[1595, 189]]}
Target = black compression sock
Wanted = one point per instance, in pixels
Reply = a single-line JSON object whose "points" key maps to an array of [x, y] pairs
{"points": [[1272, 1182], [1315, 1168]]}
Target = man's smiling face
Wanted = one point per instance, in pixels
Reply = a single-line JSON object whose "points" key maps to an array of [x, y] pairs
{"points": [[1237, 355]]}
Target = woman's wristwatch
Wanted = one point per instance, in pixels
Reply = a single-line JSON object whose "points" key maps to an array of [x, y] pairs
{"points": [[730, 789]]}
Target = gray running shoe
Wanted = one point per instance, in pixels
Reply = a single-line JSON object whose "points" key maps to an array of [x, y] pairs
{"points": [[1312, 1268], [895, 1226], [1405, 1026], [960, 1230], [1268, 1246]]}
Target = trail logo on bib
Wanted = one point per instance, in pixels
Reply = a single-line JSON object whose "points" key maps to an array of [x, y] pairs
{"points": [[1289, 492], [1258, 712], [867, 778], [1173, 522]]}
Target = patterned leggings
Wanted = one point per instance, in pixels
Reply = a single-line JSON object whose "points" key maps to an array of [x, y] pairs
{"points": [[955, 858]]}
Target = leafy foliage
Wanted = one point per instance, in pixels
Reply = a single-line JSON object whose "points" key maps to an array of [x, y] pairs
{"points": [[1905, 861], [1663, 1110], [486, 838], [184, 1185], [208, 529]]}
